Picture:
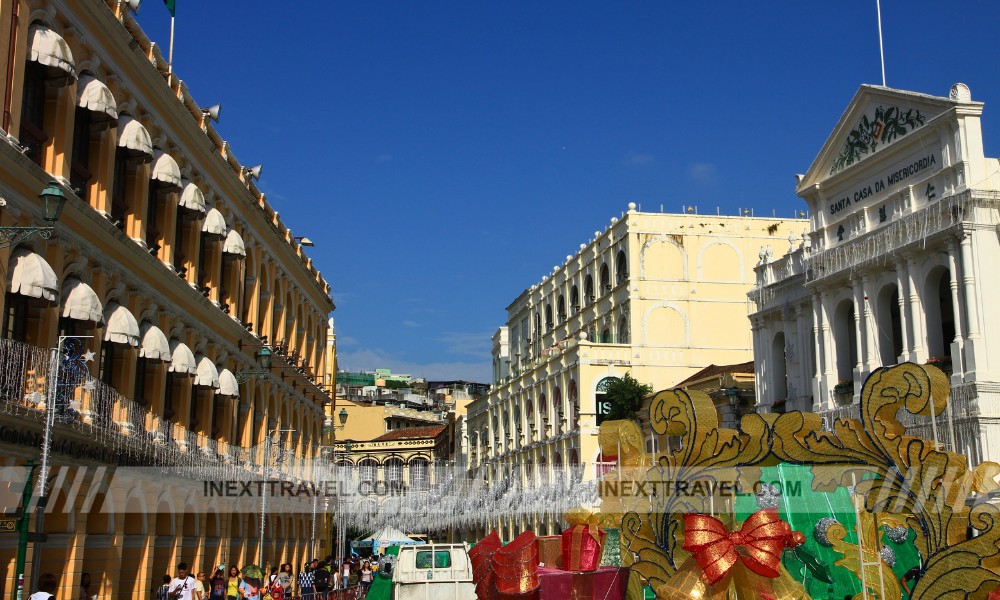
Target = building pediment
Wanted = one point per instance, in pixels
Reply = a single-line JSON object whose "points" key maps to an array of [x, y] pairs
{"points": [[876, 119]]}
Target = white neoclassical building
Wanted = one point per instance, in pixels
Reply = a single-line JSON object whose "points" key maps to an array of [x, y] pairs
{"points": [[658, 295], [899, 264]]}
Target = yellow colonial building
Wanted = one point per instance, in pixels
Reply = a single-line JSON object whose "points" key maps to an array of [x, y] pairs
{"points": [[658, 295], [176, 273]]}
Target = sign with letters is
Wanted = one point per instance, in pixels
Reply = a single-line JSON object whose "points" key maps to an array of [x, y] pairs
{"points": [[603, 409], [603, 406]]}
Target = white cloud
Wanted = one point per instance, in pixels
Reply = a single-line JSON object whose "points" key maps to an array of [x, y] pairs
{"points": [[411, 324], [638, 159], [468, 344], [361, 360], [346, 341], [704, 173]]}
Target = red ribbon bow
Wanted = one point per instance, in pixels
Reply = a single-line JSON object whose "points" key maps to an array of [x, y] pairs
{"points": [[758, 543]]}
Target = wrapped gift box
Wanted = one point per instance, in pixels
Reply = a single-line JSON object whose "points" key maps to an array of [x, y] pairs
{"points": [[582, 547]]}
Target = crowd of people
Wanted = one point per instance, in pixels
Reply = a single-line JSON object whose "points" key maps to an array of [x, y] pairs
{"points": [[317, 580]]}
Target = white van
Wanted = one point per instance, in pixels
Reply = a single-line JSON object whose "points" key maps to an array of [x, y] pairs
{"points": [[433, 572]]}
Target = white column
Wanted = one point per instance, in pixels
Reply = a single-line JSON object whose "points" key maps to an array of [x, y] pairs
{"points": [[904, 312], [803, 362], [824, 375], [971, 307], [919, 354], [859, 335], [762, 365], [872, 360], [956, 309]]}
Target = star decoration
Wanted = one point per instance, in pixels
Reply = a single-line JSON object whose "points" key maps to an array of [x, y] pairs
{"points": [[90, 385], [88, 356]]}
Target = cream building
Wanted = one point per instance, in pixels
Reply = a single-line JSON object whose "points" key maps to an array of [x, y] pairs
{"points": [[178, 270], [658, 295], [898, 265]]}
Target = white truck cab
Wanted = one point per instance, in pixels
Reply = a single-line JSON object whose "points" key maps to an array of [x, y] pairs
{"points": [[433, 572]]}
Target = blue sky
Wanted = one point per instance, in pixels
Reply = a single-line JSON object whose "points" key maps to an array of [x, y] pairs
{"points": [[445, 155]]}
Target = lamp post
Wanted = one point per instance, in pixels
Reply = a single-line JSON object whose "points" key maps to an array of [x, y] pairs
{"points": [[264, 360], [274, 438], [53, 199], [342, 416]]}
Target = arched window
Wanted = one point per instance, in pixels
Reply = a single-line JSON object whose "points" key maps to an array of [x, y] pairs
{"points": [[394, 475], [561, 309], [588, 290], [623, 330], [548, 317], [419, 474], [574, 299], [621, 268], [367, 469], [605, 279]]}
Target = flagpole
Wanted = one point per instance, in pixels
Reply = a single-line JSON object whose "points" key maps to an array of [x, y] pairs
{"points": [[170, 54], [881, 50]]}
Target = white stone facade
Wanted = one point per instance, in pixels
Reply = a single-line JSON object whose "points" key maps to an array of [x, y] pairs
{"points": [[658, 295], [899, 265]]}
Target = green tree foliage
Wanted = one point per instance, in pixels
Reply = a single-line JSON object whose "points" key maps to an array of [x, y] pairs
{"points": [[625, 396]]}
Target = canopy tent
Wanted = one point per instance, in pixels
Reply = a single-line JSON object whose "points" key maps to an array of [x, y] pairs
{"points": [[387, 536]]}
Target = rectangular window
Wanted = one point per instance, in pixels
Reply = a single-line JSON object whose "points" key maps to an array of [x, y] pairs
{"points": [[80, 175], [139, 394], [33, 135], [119, 202], [433, 560], [16, 316]]}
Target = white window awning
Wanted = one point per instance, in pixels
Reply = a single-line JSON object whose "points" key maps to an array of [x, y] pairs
{"points": [[165, 169], [50, 49], [192, 197], [234, 244], [80, 302], [93, 95], [228, 386], [121, 327], [31, 276], [215, 223], [182, 359], [133, 136], [154, 343], [207, 375]]}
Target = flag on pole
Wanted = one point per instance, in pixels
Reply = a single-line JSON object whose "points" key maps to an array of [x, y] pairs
{"points": [[171, 6]]}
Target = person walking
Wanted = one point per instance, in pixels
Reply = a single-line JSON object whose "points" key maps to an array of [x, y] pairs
{"points": [[307, 588], [199, 586], [366, 578], [345, 574], [321, 580], [182, 586], [163, 592], [47, 585], [85, 586], [218, 584], [233, 584], [250, 588], [285, 578], [272, 586]]}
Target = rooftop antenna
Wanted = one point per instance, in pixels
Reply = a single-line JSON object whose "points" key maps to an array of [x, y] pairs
{"points": [[881, 50]]}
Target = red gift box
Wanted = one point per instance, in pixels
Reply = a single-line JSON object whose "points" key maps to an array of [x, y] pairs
{"points": [[582, 547], [516, 565]]}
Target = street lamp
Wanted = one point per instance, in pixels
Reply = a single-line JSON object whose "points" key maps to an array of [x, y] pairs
{"points": [[53, 199], [264, 360], [274, 438]]}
